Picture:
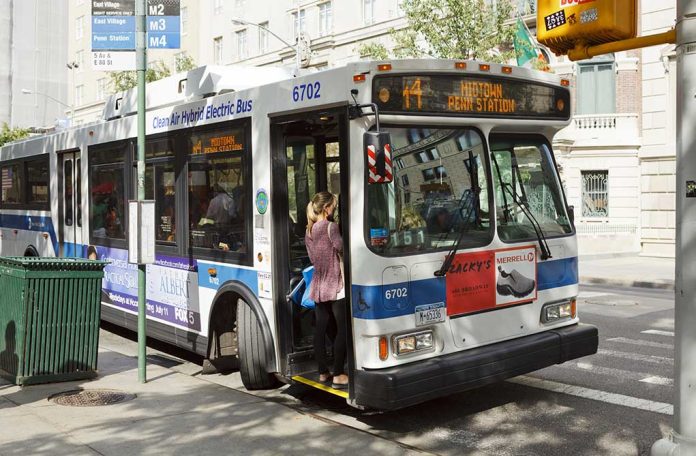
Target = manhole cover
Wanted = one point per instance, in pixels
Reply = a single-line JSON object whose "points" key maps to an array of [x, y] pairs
{"points": [[90, 398]]}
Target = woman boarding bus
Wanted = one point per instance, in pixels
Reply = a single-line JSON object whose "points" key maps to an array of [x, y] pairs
{"points": [[460, 258]]}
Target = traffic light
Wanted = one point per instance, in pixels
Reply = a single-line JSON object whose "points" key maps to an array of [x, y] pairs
{"points": [[564, 24]]}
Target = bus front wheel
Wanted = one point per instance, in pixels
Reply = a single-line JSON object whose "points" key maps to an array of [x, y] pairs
{"points": [[252, 351]]}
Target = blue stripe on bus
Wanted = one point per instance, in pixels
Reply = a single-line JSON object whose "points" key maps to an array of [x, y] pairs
{"points": [[224, 273], [37, 223], [557, 273], [370, 303]]}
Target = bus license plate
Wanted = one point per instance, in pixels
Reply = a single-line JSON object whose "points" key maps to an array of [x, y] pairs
{"points": [[430, 313]]}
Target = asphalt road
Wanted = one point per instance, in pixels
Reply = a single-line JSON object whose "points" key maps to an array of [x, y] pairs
{"points": [[617, 402]]}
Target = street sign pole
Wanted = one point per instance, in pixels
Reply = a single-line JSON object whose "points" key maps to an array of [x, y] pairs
{"points": [[682, 440], [141, 68]]}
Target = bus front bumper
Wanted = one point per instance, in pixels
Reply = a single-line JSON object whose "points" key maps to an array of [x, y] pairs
{"points": [[401, 386]]}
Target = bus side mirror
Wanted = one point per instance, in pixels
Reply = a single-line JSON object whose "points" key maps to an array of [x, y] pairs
{"points": [[377, 146]]}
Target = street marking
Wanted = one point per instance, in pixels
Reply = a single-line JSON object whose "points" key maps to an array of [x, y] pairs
{"points": [[620, 373], [658, 332], [636, 356], [591, 294], [645, 343], [657, 380], [595, 395]]}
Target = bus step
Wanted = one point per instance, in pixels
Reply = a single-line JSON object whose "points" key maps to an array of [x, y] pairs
{"points": [[313, 381]]}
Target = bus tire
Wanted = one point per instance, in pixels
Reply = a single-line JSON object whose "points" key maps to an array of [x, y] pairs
{"points": [[252, 351], [31, 252]]}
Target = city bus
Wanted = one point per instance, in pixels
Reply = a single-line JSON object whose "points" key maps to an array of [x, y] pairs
{"points": [[460, 256]]}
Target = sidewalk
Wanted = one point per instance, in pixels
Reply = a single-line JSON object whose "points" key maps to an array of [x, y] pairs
{"points": [[627, 271], [173, 413]]}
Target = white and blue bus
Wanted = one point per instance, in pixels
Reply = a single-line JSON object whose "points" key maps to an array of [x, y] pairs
{"points": [[460, 260]]}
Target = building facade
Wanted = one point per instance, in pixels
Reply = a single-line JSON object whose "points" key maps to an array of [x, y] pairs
{"points": [[90, 88], [33, 76]]}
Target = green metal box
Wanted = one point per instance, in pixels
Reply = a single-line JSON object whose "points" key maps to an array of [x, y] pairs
{"points": [[49, 313]]}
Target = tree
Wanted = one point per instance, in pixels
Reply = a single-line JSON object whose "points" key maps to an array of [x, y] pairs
{"points": [[8, 134], [124, 80], [456, 29], [374, 51], [184, 62]]}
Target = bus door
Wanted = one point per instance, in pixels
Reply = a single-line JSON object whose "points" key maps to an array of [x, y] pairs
{"points": [[308, 154], [70, 204]]}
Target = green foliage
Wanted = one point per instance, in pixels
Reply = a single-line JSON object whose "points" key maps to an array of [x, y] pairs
{"points": [[124, 80], [8, 134], [457, 29], [184, 62], [374, 51]]}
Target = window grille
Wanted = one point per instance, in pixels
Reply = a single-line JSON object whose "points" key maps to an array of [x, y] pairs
{"points": [[595, 193]]}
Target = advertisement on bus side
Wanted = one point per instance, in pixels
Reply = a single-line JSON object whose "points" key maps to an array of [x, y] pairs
{"points": [[172, 287]]}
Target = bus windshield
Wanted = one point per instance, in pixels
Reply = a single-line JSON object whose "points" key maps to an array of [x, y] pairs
{"points": [[440, 188], [524, 174]]}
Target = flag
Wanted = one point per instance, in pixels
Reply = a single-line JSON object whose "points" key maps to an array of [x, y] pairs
{"points": [[525, 48]]}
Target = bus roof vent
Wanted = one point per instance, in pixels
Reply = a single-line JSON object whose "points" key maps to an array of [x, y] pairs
{"points": [[199, 83]]}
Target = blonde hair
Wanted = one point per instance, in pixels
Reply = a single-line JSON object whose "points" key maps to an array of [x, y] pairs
{"points": [[317, 206]]}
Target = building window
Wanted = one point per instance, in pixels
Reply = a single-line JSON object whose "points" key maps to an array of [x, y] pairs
{"points": [[325, 19], [101, 89], [80, 60], [595, 193], [217, 50], [399, 8], [298, 25], [368, 11], [79, 27], [184, 20], [263, 37], [596, 87], [79, 93], [242, 48], [217, 6]]}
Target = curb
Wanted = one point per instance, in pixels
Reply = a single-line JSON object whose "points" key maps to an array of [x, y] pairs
{"points": [[662, 285]]}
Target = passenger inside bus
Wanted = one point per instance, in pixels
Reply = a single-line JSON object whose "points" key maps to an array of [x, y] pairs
{"points": [[220, 223]]}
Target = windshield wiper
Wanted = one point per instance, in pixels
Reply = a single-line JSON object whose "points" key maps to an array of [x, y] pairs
{"points": [[473, 191], [543, 245]]}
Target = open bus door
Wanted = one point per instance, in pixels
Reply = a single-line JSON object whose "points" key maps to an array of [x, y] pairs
{"points": [[70, 204], [310, 154]]}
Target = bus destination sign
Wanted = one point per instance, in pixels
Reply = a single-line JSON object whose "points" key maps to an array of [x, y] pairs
{"points": [[474, 96], [213, 144]]}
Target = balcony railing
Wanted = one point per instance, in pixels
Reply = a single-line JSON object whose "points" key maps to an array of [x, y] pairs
{"points": [[602, 130]]}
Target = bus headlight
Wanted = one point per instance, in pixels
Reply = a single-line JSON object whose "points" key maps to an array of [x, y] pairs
{"points": [[409, 343], [557, 311]]}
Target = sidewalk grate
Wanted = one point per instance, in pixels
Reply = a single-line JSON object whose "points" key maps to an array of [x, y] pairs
{"points": [[90, 398]]}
